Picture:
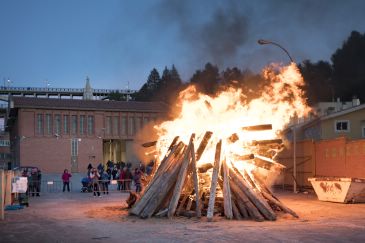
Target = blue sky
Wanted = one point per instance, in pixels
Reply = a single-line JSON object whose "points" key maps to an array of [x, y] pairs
{"points": [[116, 42]]}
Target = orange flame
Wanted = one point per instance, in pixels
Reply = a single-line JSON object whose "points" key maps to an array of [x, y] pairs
{"points": [[226, 114]]}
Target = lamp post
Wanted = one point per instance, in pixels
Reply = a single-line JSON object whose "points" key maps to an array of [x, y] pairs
{"points": [[266, 42]]}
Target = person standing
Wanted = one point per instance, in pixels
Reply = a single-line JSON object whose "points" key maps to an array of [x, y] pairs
{"points": [[66, 180], [137, 180], [94, 176]]}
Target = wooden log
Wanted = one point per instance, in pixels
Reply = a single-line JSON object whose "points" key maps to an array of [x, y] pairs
{"points": [[213, 185], [205, 167], [265, 142], [180, 179], [244, 157], [167, 182], [236, 213], [189, 204], [149, 144], [261, 127], [243, 210], [165, 163], [182, 203], [162, 213], [203, 144], [188, 213], [233, 138], [279, 204], [252, 210], [254, 197], [227, 192], [196, 181], [269, 163], [174, 141], [151, 189]]}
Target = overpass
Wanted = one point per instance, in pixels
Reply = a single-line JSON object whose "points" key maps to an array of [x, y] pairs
{"points": [[68, 93]]}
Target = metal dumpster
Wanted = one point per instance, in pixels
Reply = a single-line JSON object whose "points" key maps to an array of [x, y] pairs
{"points": [[338, 189]]}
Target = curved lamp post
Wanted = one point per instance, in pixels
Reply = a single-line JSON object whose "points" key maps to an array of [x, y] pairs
{"points": [[266, 42]]}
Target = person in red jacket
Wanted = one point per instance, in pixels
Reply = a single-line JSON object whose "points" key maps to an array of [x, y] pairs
{"points": [[66, 180]]}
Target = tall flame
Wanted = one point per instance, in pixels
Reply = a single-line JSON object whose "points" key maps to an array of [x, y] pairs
{"points": [[225, 114]]}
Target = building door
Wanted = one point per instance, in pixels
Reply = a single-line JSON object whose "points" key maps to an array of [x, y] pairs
{"points": [[114, 150], [74, 155]]}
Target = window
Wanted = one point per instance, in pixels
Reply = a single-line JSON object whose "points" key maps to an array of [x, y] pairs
{"points": [[342, 126], [123, 126], [146, 120], [74, 125], [115, 125], [82, 125], [66, 129], [40, 124], [57, 124], [74, 147], [90, 125], [131, 126], [49, 124], [138, 124], [4, 143], [108, 123]]}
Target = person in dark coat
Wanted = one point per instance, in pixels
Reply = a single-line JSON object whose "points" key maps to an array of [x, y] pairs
{"points": [[137, 180]]}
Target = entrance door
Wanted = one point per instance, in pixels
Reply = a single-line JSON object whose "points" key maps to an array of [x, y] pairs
{"points": [[114, 150]]}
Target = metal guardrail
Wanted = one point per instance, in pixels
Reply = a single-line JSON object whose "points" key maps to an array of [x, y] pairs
{"points": [[6, 90]]}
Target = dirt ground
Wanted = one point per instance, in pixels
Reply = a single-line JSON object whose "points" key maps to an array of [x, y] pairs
{"points": [[79, 217]]}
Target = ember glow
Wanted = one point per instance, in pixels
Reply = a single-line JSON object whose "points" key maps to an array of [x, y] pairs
{"points": [[228, 112]]}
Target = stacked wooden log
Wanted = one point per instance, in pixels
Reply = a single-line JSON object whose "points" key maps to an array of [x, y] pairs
{"points": [[180, 187]]}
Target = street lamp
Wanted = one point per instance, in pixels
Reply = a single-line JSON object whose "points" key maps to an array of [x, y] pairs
{"points": [[266, 42]]}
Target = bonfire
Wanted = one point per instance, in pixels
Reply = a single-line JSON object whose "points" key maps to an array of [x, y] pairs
{"points": [[217, 155]]}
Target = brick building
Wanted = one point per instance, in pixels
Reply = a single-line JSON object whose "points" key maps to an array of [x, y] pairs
{"points": [[54, 134]]}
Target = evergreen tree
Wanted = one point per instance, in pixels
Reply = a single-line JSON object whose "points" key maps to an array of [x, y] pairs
{"points": [[149, 89], [349, 67], [207, 80]]}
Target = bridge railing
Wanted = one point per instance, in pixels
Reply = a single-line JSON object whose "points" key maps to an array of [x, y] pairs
{"points": [[6, 89]]}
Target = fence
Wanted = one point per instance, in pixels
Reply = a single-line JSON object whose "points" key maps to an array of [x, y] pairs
{"points": [[338, 157]]}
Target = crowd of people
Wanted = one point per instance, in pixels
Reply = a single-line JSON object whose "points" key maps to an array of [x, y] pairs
{"points": [[99, 178], [34, 176]]}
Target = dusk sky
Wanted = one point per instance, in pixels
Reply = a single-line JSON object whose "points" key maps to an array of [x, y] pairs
{"points": [[116, 42]]}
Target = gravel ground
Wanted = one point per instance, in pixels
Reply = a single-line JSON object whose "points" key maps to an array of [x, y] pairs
{"points": [[79, 217]]}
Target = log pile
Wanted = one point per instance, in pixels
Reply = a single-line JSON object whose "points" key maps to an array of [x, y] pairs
{"points": [[181, 187]]}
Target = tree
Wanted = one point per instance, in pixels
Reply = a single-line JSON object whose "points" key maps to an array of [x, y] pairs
{"points": [[318, 81], [116, 96], [349, 67], [148, 90], [207, 80]]}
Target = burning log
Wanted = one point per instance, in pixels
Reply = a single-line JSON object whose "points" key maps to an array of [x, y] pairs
{"points": [[196, 181], [267, 163], [262, 127], [227, 192], [149, 144], [203, 144], [205, 167], [233, 138], [266, 142], [244, 157], [180, 179], [213, 186]]}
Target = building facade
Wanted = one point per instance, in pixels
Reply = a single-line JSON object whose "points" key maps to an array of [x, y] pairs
{"points": [[58, 134]]}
